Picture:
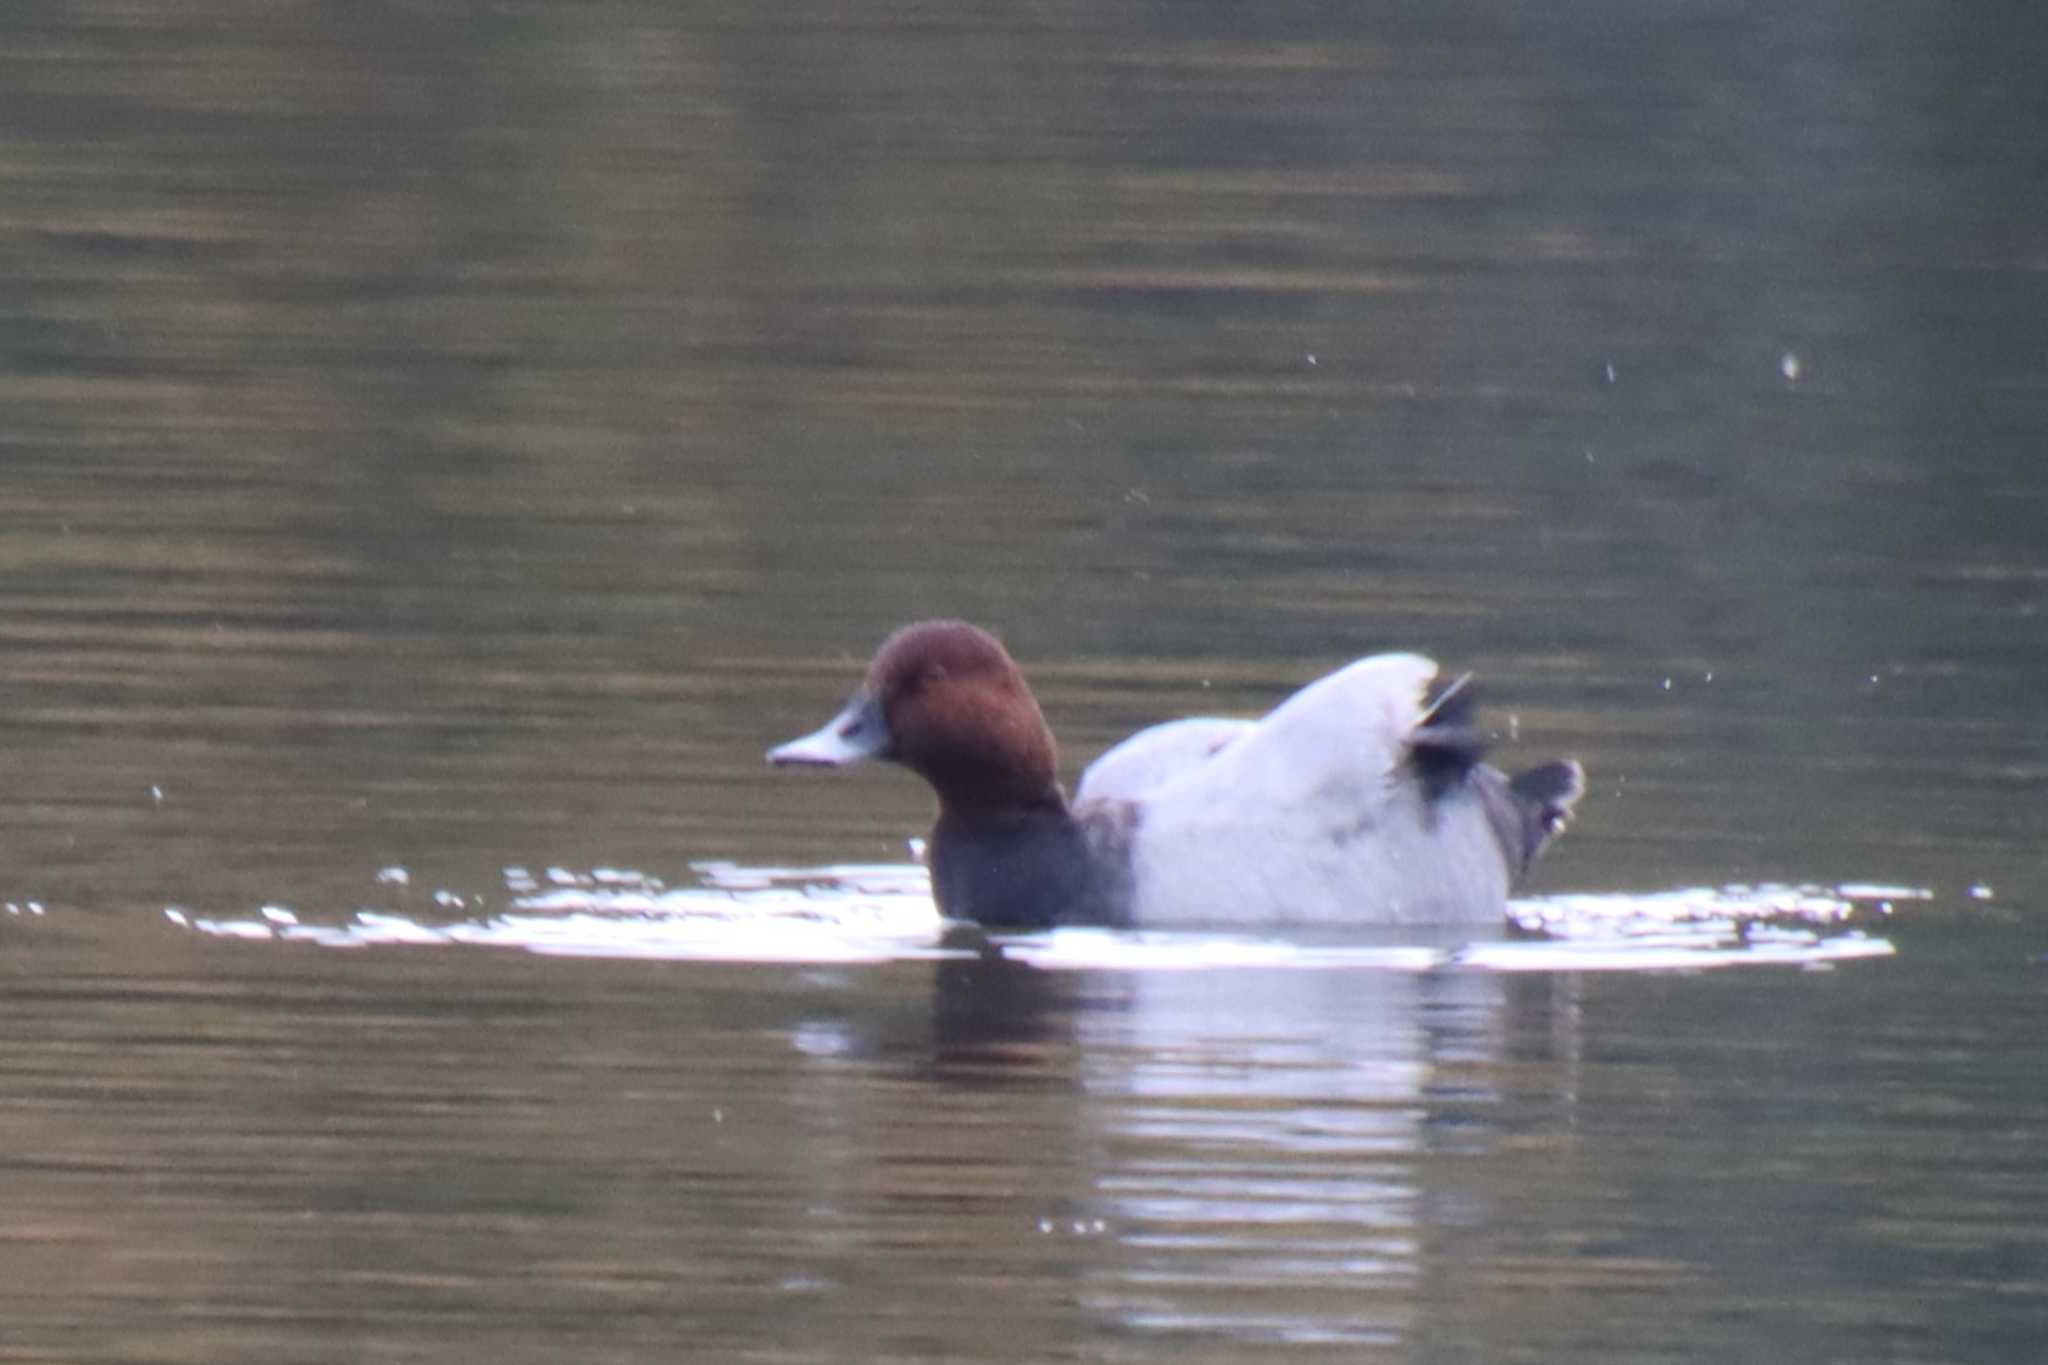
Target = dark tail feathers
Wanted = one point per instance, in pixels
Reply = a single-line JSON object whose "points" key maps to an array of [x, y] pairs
{"points": [[1527, 811], [1447, 742], [1543, 798]]}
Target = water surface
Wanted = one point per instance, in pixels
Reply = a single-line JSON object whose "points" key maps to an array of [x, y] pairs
{"points": [[442, 440]]}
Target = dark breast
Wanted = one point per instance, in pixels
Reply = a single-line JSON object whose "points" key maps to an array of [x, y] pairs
{"points": [[1034, 870]]}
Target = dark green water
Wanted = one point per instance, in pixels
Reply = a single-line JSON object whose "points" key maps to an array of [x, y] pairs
{"points": [[465, 436]]}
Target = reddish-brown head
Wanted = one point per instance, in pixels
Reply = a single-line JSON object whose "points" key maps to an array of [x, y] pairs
{"points": [[945, 700]]}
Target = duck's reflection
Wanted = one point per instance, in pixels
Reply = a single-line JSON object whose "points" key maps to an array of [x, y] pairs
{"points": [[1270, 1154], [985, 1004]]}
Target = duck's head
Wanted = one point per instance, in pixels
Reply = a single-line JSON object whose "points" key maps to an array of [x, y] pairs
{"points": [[945, 700]]}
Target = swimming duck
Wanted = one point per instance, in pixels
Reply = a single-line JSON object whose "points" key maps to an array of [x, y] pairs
{"points": [[1360, 800]]}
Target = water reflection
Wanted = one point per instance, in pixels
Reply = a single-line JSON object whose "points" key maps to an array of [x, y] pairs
{"points": [[1257, 1156], [1261, 1148], [1244, 1153], [1212, 1138], [1231, 1159]]}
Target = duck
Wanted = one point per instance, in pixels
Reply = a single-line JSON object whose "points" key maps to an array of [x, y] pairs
{"points": [[1360, 800]]}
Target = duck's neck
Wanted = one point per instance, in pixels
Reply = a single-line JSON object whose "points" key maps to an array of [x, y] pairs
{"points": [[1028, 866]]}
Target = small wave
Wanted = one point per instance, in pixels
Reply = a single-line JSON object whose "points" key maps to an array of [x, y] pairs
{"points": [[874, 913]]}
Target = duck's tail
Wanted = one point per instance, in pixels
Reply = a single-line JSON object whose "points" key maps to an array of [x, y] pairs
{"points": [[1543, 799], [1447, 743], [1527, 811]]}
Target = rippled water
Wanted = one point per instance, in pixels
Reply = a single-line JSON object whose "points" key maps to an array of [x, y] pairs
{"points": [[442, 447], [241, 1140], [884, 913]]}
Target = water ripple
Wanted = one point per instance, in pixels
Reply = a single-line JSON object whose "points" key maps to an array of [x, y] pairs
{"points": [[853, 913]]}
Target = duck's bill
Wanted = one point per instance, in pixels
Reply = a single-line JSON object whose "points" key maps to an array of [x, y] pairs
{"points": [[856, 733]]}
